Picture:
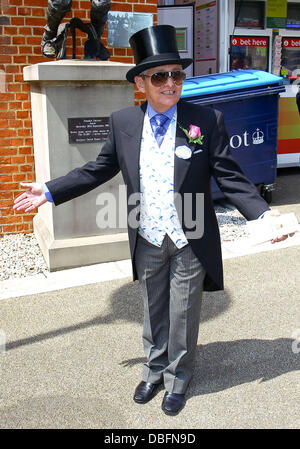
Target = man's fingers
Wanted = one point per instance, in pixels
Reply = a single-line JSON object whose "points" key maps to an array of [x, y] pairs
{"points": [[31, 208], [279, 239], [26, 184], [24, 194], [25, 203], [275, 212], [20, 198], [23, 206], [27, 207], [283, 237], [21, 201]]}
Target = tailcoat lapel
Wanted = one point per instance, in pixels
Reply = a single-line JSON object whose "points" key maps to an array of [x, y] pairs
{"points": [[181, 166], [132, 135]]}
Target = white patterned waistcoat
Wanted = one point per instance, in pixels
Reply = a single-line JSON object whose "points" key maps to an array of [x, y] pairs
{"points": [[158, 215]]}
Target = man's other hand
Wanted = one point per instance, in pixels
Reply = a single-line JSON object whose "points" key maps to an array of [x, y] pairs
{"points": [[33, 198], [276, 213]]}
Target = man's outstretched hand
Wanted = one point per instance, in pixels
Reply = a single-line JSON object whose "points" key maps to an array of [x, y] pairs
{"points": [[279, 238], [33, 198]]}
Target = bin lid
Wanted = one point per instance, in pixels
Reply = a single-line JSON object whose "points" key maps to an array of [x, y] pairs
{"points": [[236, 80]]}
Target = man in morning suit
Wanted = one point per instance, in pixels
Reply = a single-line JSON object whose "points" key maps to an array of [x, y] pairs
{"points": [[172, 260]]}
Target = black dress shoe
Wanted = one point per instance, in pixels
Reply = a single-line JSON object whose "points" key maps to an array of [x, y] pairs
{"points": [[173, 403], [144, 392]]}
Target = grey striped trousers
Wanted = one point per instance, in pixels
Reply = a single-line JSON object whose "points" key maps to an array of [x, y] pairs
{"points": [[172, 282]]}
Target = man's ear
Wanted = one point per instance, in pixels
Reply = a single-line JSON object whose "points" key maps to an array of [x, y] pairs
{"points": [[139, 83]]}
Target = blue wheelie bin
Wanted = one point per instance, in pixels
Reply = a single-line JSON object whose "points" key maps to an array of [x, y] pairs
{"points": [[249, 102]]}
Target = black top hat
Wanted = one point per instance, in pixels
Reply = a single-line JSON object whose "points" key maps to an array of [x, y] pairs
{"points": [[152, 47]]}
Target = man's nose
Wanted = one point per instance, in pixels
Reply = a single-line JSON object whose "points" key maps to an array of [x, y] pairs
{"points": [[170, 81]]}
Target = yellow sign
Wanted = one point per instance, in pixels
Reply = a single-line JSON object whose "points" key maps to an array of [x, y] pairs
{"points": [[277, 8]]}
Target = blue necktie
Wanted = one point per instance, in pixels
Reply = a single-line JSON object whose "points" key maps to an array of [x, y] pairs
{"points": [[158, 122]]}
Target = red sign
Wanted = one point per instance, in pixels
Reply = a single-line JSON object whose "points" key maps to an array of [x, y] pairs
{"points": [[249, 41], [290, 43]]}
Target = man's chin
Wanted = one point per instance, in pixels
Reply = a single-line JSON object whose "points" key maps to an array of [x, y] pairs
{"points": [[169, 100]]}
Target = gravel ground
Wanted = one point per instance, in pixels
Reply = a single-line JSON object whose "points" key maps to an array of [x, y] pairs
{"points": [[20, 255]]}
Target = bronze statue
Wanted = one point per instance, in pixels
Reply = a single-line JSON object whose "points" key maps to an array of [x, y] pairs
{"points": [[54, 38]]}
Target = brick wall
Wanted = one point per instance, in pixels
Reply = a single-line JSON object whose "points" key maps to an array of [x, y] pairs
{"points": [[21, 29]]}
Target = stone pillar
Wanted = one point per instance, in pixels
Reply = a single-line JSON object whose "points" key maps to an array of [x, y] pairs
{"points": [[73, 234]]}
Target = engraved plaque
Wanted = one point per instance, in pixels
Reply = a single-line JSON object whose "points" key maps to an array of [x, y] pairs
{"points": [[88, 129]]}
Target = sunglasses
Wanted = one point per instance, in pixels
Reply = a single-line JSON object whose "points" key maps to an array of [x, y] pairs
{"points": [[158, 79]]}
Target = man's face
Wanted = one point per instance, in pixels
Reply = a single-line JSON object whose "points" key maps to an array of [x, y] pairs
{"points": [[164, 97]]}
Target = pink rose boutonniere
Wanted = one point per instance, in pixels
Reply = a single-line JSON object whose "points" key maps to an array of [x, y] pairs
{"points": [[194, 134]]}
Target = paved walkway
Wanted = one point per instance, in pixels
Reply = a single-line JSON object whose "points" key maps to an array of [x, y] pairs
{"points": [[73, 356]]}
